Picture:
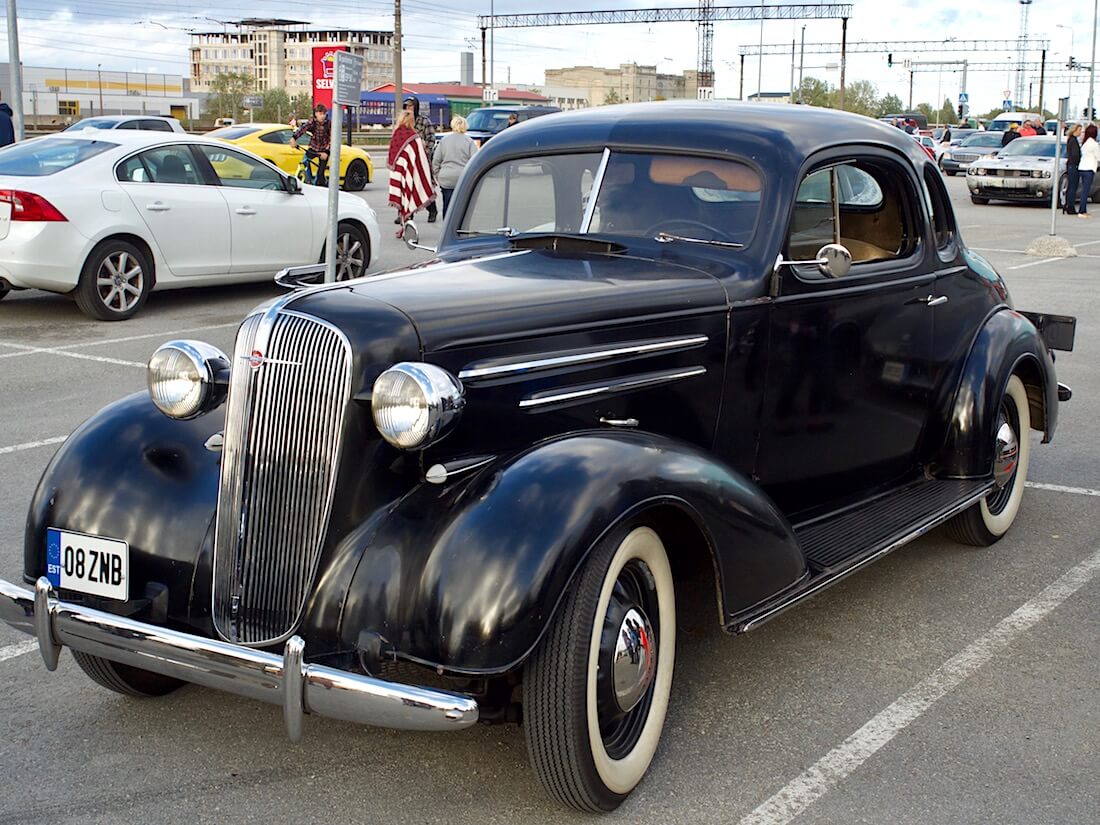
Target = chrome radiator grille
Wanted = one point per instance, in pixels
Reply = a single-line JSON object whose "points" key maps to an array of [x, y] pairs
{"points": [[279, 460]]}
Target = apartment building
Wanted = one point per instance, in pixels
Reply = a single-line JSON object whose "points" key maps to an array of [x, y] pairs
{"points": [[278, 53], [629, 83]]}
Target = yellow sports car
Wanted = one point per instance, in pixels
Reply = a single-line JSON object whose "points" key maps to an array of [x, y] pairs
{"points": [[271, 141]]}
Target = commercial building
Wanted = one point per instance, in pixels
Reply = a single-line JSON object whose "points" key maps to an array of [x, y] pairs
{"points": [[579, 86], [462, 99], [57, 97], [278, 54], [769, 97]]}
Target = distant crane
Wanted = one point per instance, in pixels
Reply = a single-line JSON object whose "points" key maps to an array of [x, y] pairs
{"points": [[1021, 54]]}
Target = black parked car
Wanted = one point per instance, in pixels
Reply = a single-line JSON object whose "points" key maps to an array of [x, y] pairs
{"points": [[492, 120], [743, 339]]}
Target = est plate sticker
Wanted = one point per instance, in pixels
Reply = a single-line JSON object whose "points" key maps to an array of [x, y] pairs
{"points": [[88, 564]]}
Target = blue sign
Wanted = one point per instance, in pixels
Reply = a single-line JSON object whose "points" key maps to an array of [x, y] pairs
{"points": [[1006, 104], [964, 97]]}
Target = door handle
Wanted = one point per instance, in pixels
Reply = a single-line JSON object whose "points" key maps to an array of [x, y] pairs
{"points": [[245, 210], [157, 206], [929, 300]]}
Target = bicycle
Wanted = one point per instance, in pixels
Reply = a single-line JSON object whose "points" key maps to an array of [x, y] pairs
{"points": [[308, 168]]}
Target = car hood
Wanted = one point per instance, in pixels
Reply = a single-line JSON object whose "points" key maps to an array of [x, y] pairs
{"points": [[531, 292], [1022, 162]]}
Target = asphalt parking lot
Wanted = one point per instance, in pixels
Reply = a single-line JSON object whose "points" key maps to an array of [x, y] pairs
{"points": [[944, 684]]}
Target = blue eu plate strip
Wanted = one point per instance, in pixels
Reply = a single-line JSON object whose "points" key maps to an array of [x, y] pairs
{"points": [[53, 556]]}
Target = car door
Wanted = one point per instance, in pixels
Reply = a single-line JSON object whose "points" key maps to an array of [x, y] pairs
{"points": [[270, 228], [188, 218], [277, 149], [848, 386]]}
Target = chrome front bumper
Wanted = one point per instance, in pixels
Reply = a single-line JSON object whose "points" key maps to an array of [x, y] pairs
{"points": [[285, 680]]}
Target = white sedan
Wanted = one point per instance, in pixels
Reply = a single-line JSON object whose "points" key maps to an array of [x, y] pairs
{"points": [[109, 216]]}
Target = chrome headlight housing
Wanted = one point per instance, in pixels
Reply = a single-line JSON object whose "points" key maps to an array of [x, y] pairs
{"points": [[181, 377], [415, 404]]}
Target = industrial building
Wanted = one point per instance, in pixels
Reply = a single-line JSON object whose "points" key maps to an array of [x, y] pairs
{"points": [[278, 53], [58, 97], [580, 86]]}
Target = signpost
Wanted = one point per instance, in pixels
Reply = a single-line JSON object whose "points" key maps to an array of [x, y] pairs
{"points": [[705, 93], [251, 102], [489, 95], [1056, 177], [348, 82]]}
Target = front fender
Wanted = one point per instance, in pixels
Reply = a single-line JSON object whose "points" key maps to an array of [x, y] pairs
{"points": [[1007, 344], [467, 577], [132, 473]]}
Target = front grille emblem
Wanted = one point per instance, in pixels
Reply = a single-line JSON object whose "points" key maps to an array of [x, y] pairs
{"points": [[257, 360]]}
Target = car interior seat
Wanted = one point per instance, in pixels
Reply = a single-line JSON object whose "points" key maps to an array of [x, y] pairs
{"points": [[172, 170]]}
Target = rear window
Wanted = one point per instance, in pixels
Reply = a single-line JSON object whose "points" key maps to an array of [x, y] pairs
{"points": [[232, 132], [94, 123], [47, 156], [488, 120]]}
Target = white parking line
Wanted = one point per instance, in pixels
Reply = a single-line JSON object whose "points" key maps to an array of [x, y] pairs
{"points": [[24, 349], [11, 651], [1036, 263], [30, 445], [1059, 488], [82, 356], [846, 758]]}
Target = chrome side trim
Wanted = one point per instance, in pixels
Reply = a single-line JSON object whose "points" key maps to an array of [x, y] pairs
{"points": [[279, 679], [801, 595], [594, 192], [622, 385], [47, 644], [514, 366]]}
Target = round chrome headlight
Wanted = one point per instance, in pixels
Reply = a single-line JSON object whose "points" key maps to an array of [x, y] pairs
{"points": [[415, 404], [181, 378]]}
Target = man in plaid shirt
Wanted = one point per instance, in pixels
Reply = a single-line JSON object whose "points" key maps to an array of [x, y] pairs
{"points": [[426, 131], [320, 142]]}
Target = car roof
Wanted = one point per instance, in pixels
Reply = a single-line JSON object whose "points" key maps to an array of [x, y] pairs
{"points": [[130, 139]]}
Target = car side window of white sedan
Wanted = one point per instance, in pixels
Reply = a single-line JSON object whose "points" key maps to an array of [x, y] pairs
{"points": [[164, 164], [241, 171]]}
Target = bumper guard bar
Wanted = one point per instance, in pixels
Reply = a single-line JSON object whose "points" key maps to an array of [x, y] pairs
{"points": [[285, 680]]}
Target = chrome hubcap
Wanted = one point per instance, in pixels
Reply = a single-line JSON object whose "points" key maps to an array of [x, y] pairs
{"points": [[1006, 454], [120, 281], [635, 660], [349, 258]]}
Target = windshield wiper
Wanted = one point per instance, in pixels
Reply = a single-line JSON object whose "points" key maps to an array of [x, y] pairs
{"points": [[668, 237], [504, 231]]}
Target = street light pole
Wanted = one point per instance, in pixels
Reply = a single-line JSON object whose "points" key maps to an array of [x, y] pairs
{"points": [[1069, 94], [1092, 61], [801, 54], [99, 72], [16, 69]]}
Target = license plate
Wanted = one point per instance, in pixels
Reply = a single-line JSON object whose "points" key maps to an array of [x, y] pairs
{"points": [[88, 564]]}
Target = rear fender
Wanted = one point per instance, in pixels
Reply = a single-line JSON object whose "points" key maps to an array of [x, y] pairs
{"points": [[1008, 344], [466, 577]]}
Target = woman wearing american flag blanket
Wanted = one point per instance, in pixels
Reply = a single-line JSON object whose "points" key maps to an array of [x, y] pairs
{"points": [[411, 186]]}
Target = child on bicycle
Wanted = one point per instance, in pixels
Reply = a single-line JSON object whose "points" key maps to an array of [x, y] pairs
{"points": [[320, 142]]}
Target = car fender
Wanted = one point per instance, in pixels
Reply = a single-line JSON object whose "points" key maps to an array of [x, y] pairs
{"points": [[130, 472], [466, 577], [1007, 344]]}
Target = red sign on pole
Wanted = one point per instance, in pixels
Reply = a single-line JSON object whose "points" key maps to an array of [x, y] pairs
{"points": [[324, 73]]}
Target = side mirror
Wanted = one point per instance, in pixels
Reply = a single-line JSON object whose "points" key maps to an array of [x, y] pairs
{"points": [[834, 260], [411, 236], [290, 183]]}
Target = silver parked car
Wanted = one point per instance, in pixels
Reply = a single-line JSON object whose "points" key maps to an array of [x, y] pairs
{"points": [[1022, 171], [978, 145]]}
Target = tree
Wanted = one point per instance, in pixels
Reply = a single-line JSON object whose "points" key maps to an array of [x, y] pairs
{"points": [[611, 97], [890, 105], [926, 110], [301, 105], [814, 92], [275, 107], [226, 93], [947, 113], [861, 97]]}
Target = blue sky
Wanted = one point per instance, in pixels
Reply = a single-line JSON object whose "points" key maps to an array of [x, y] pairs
{"points": [[152, 35]]}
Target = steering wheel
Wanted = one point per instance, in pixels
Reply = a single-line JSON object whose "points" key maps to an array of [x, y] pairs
{"points": [[667, 226]]}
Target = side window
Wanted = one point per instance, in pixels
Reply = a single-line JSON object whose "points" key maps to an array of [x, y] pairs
{"points": [[280, 136], [156, 125], [171, 164], [241, 171], [866, 205], [943, 219], [127, 124], [132, 170]]}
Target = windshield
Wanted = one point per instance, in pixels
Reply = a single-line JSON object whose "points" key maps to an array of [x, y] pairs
{"points": [[983, 139], [1025, 147], [232, 132], [94, 123], [45, 156], [641, 195], [487, 120]]}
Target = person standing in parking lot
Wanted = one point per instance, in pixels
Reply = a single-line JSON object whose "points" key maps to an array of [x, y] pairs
{"points": [[450, 158], [411, 186], [1073, 160], [426, 131], [1010, 134], [7, 128], [1090, 160]]}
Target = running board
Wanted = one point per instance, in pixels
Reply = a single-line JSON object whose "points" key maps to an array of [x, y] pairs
{"points": [[840, 544]]}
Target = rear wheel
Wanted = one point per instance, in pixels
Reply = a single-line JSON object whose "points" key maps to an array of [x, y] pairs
{"points": [[115, 281], [984, 523], [129, 681], [949, 173], [4, 292], [978, 200], [356, 177], [352, 252], [595, 691]]}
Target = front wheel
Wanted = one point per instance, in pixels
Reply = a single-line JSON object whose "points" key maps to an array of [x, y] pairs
{"points": [[595, 691], [984, 523], [129, 681], [356, 177], [979, 201], [949, 173]]}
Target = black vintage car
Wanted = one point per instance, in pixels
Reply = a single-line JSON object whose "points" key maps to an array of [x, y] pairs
{"points": [[654, 338]]}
